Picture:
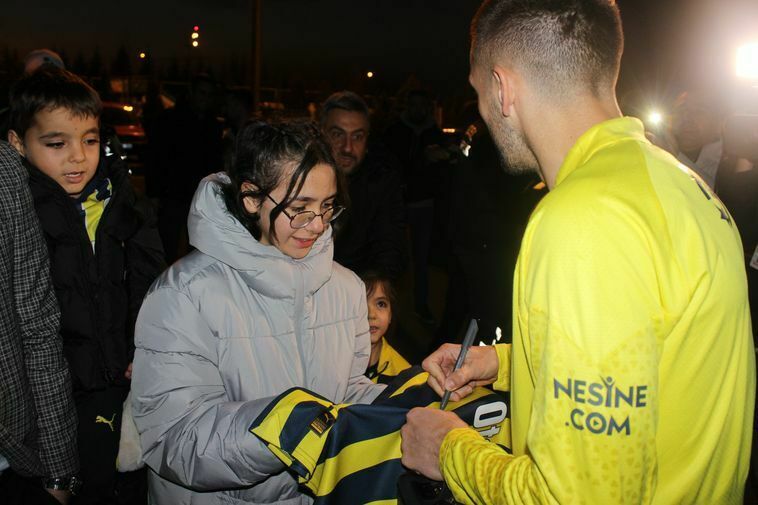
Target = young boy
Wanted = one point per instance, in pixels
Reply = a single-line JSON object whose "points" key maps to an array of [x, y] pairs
{"points": [[104, 254]]}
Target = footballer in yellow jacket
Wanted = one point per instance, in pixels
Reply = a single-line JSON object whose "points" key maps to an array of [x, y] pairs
{"points": [[632, 363], [632, 368]]}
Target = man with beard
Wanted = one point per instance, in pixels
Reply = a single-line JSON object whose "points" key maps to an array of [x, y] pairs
{"points": [[632, 368], [372, 233]]}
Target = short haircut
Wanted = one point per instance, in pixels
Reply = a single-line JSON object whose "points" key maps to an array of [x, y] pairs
{"points": [[263, 152], [559, 44], [344, 100], [50, 88]]}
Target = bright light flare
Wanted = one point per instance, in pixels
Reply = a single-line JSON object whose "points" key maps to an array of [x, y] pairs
{"points": [[195, 43], [747, 61], [655, 118], [128, 108], [196, 28], [369, 74], [195, 35], [142, 56]]}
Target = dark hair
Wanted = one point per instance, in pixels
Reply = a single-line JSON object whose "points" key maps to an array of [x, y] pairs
{"points": [[344, 100], [50, 88], [559, 43], [372, 279], [262, 151]]}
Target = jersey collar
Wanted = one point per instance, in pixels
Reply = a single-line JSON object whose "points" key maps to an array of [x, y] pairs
{"points": [[599, 137]]}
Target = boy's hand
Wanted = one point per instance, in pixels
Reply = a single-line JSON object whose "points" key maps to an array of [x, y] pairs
{"points": [[479, 368]]}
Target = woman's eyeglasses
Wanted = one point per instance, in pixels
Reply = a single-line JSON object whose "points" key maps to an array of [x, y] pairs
{"points": [[305, 217]]}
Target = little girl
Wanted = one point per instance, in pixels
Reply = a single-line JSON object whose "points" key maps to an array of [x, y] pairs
{"points": [[385, 362]]}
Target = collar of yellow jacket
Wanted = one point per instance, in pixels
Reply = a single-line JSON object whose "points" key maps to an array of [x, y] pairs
{"points": [[600, 136]]}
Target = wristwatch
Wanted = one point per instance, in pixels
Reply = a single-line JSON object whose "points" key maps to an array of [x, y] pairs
{"points": [[71, 484]]}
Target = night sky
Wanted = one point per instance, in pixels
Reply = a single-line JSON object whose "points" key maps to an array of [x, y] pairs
{"points": [[670, 43]]}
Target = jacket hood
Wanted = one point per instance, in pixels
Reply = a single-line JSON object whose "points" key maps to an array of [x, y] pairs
{"points": [[218, 234]]}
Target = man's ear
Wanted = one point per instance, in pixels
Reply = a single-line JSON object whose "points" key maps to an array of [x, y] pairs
{"points": [[506, 92], [16, 142], [251, 204]]}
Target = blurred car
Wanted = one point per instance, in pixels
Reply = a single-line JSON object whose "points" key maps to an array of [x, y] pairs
{"points": [[122, 120]]}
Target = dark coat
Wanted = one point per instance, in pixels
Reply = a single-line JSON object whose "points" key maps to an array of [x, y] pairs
{"points": [[99, 293], [371, 233], [184, 148], [409, 146]]}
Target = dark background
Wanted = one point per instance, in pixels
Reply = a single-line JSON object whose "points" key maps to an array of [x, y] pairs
{"points": [[331, 44]]}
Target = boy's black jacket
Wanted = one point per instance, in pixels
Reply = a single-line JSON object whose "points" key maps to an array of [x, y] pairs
{"points": [[100, 293]]}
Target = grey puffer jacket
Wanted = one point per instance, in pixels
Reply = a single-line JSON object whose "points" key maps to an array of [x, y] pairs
{"points": [[220, 333]]}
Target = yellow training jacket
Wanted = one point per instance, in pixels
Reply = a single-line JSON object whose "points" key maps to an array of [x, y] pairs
{"points": [[632, 369]]}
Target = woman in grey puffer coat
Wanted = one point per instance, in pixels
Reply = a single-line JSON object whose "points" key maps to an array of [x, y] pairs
{"points": [[258, 308]]}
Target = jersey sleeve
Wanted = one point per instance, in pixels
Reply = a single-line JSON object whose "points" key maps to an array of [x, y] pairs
{"points": [[589, 319], [503, 381]]}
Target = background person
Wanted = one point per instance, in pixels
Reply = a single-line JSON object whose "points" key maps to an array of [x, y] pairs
{"points": [[37, 414], [238, 109], [186, 145], [632, 349], [696, 124], [33, 61], [372, 236], [487, 212], [418, 143]]}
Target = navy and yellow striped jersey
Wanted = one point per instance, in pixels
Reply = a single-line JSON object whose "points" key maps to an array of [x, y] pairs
{"points": [[351, 453]]}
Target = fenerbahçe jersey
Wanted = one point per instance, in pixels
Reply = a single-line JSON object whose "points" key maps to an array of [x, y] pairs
{"points": [[632, 369], [351, 453]]}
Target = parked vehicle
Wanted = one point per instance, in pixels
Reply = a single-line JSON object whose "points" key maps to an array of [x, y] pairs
{"points": [[123, 120]]}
